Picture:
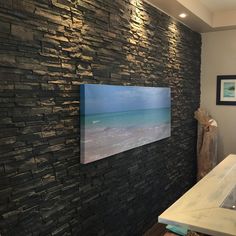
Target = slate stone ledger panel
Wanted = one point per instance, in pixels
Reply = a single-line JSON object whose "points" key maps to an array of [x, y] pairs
{"points": [[47, 49]]}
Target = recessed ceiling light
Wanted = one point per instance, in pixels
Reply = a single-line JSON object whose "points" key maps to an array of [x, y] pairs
{"points": [[182, 15]]}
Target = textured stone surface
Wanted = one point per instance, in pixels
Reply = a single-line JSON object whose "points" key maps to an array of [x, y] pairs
{"points": [[47, 49]]}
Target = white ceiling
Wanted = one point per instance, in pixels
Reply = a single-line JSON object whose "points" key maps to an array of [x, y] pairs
{"points": [[202, 15], [219, 5]]}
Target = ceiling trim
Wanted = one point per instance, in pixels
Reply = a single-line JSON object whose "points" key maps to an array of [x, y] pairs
{"points": [[199, 17]]}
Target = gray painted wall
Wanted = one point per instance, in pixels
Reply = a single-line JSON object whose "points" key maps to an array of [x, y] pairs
{"points": [[218, 58]]}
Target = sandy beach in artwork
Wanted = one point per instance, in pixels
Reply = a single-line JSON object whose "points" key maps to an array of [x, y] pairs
{"points": [[114, 119], [105, 142]]}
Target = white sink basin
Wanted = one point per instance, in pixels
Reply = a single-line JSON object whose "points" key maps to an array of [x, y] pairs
{"points": [[230, 200]]}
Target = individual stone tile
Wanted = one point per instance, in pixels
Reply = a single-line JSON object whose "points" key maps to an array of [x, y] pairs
{"points": [[22, 32]]}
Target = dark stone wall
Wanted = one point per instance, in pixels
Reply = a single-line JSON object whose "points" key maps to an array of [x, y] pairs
{"points": [[47, 49]]}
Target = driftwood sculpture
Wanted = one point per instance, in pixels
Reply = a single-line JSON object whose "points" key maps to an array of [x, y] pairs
{"points": [[206, 143]]}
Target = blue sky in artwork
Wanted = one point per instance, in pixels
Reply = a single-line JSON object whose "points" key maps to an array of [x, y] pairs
{"points": [[113, 98]]}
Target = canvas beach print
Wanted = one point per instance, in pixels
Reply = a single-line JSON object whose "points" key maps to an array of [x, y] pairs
{"points": [[118, 118], [226, 90]]}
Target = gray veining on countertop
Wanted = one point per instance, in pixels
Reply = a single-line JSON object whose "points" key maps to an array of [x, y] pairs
{"points": [[200, 209]]}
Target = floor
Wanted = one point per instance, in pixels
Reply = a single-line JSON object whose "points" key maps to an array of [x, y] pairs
{"points": [[160, 230], [156, 230]]}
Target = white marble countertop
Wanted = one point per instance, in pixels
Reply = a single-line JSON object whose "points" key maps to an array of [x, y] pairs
{"points": [[199, 208]]}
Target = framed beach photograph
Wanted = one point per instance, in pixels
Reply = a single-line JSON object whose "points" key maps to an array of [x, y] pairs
{"points": [[226, 90], [116, 118]]}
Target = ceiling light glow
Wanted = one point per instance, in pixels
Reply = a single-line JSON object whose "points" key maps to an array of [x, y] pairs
{"points": [[182, 15]]}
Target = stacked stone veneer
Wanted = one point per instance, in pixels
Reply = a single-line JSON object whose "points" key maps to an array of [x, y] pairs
{"points": [[47, 49]]}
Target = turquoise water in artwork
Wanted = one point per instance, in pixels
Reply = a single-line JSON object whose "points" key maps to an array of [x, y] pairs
{"points": [[127, 119], [229, 89], [118, 118]]}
